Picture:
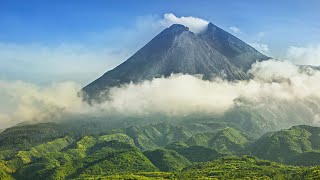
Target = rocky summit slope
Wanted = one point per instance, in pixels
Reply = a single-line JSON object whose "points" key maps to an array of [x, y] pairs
{"points": [[211, 53]]}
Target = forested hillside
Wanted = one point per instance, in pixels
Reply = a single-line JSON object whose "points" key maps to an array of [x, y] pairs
{"points": [[157, 151]]}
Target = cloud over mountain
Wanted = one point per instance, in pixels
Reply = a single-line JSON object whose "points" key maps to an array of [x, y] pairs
{"points": [[194, 24], [274, 81]]}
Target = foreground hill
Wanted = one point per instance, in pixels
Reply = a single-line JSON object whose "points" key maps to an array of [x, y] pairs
{"points": [[167, 160], [248, 167], [176, 152], [157, 135], [298, 145], [227, 140]]}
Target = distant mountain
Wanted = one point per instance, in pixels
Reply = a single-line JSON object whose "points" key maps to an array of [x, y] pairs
{"points": [[212, 53]]}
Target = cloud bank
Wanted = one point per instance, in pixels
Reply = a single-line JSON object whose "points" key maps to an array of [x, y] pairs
{"points": [[178, 95]]}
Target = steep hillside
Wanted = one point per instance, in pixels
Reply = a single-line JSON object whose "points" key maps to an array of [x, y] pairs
{"points": [[167, 160], [227, 141], [157, 135], [103, 155], [194, 153], [26, 136], [286, 145]]}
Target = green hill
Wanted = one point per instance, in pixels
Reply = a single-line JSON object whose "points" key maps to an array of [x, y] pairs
{"points": [[167, 160], [157, 135], [194, 153], [173, 152], [89, 157], [232, 167], [248, 167], [23, 137], [227, 140], [286, 145]]}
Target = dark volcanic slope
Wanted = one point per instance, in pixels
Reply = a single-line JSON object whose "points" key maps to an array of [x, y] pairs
{"points": [[235, 50], [211, 53]]}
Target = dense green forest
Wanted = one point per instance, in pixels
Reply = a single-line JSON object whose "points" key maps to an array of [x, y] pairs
{"points": [[157, 151]]}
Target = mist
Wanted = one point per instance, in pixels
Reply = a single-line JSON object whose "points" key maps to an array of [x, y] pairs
{"points": [[274, 83]]}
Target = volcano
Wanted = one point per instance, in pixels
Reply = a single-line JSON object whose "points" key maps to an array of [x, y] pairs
{"points": [[211, 53]]}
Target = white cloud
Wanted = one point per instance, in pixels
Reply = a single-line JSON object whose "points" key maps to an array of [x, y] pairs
{"points": [[21, 101], [235, 29], [194, 24], [309, 55], [274, 81], [260, 47]]}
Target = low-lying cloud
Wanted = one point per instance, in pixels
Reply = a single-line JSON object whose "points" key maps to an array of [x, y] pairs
{"points": [[178, 95]]}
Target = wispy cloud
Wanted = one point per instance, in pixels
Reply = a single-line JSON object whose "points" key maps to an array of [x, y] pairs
{"points": [[235, 30], [309, 55], [260, 47]]}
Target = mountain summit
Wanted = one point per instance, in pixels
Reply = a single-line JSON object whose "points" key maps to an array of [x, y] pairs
{"points": [[212, 53]]}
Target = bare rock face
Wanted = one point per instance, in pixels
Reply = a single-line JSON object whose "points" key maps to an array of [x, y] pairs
{"points": [[212, 53]]}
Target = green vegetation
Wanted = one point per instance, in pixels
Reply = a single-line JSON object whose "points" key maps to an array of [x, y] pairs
{"points": [[167, 160], [287, 145], [158, 135], [194, 153], [248, 167], [159, 151], [23, 137], [5, 171], [227, 140]]}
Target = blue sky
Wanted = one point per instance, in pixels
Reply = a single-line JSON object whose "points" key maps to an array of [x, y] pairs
{"points": [[44, 41]]}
